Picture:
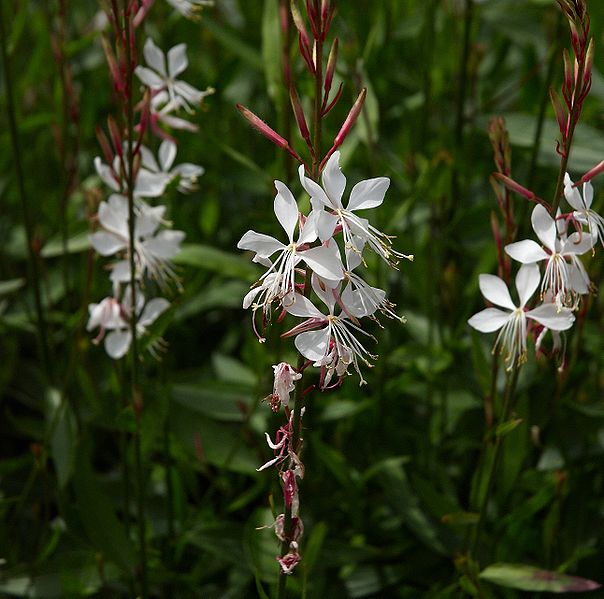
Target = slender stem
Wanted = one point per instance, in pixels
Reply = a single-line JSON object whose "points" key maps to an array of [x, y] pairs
{"points": [[32, 263], [463, 71], [508, 404], [136, 397], [573, 119], [545, 99]]}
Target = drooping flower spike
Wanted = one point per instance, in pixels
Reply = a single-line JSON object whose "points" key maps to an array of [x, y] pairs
{"points": [[511, 322]]}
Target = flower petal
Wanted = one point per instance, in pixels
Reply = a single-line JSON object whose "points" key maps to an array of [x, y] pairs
{"points": [[368, 194], [152, 310], [117, 343], [544, 226], [527, 281], [572, 195], [263, 245], [177, 60], [313, 345], [496, 291], [489, 320], [149, 78], [167, 154], [286, 209], [150, 185], [334, 180], [155, 57], [552, 317], [314, 190], [577, 244], [324, 262], [526, 251], [106, 243], [303, 308]]}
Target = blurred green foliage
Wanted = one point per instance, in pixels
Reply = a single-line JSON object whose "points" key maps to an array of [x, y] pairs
{"points": [[391, 466]]}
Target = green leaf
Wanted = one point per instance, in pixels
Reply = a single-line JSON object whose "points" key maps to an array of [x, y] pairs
{"points": [[75, 244], [271, 47], [529, 578], [460, 518], [11, 286], [102, 527], [62, 429], [507, 427], [210, 258]]}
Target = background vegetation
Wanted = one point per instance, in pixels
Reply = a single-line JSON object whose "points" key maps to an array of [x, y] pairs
{"points": [[387, 497]]}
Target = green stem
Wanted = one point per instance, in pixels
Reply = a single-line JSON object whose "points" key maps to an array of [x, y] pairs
{"points": [[136, 397], [508, 405], [32, 263]]}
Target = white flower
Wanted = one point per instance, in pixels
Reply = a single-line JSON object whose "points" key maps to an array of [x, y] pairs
{"points": [[153, 249], [557, 277], [279, 280], [186, 172], [147, 185], [334, 346], [161, 73], [111, 315], [284, 384], [513, 319], [582, 205], [356, 231], [189, 8]]}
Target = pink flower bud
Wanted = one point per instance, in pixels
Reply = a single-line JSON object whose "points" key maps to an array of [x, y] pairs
{"points": [[290, 560], [284, 382]]}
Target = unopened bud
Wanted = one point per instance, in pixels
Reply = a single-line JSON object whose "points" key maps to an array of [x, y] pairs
{"points": [[560, 115], [114, 132], [330, 70], [353, 115], [299, 114]]}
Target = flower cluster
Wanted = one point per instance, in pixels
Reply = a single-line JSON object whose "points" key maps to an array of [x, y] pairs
{"points": [[311, 260], [564, 238], [143, 250]]}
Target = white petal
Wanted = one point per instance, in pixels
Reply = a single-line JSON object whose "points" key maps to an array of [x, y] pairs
{"points": [[177, 123], [303, 308], [113, 215], [250, 296], [527, 281], [326, 224], [165, 245], [577, 280], [106, 243], [148, 219], [117, 344], [361, 303], [496, 291], [150, 185], [314, 190], [544, 226], [120, 272], [489, 320], [313, 344], [148, 160], [324, 291], [106, 174], [153, 309], [368, 194], [588, 194], [149, 78], [577, 244], [263, 245], [572, 195], [167, 154], [334, 180], [177, 60], [526, 251], [155, 57], [308, 232], [286, 209], [324, 262], [551, 317], [188, 92]]}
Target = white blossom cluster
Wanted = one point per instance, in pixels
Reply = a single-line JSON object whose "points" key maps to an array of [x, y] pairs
{"points": [[564, 279], [314, 274], [155, 242]]}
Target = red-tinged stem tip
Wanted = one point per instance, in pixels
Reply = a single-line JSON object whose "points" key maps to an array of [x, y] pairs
{"points": [[262, 128]]}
